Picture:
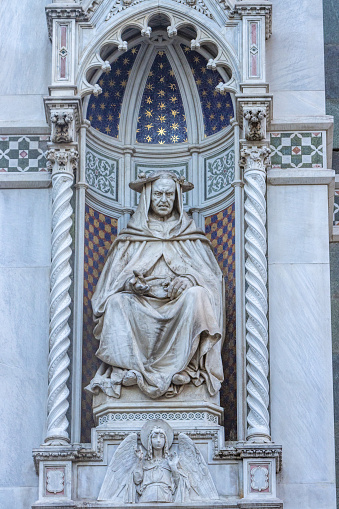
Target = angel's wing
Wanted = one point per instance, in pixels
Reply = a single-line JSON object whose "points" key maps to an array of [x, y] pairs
{"points": [[194, 465], [118, 485]]}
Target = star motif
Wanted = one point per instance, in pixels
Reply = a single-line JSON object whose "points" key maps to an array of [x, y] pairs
{"points": [[99, 118], [93, 106], [161, 142], [150, 74], [161, 93], [175, 126], [118, 72], [162, 79], [210, 81], [161, 131], [149, 113], [196, 59], [175, 113], [162, 106], [161, 53], [102, 106], [175, 138], [148, 139], [149, 126], [173, 99], [186, 49], [125, 61], [106, 95], [110, 118], [172, 86], [107, 129], [162, 118], [134, 51], [198, 81], [161, 66], [123, 83], [149, 86], [101, 82], [171, 73], [111, 83], [149, 100]]}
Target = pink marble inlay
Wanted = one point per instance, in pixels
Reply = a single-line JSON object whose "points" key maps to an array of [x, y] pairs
{"points": [[254, 33], [254, 71], [259, 478], [63, 34], [63, 67]]}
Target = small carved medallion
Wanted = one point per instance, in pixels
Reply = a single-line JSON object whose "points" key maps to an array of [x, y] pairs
{"points": [[259, 478], [55, 481]]}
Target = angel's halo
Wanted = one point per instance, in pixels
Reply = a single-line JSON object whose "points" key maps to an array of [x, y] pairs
{"points": [[159, 423]]}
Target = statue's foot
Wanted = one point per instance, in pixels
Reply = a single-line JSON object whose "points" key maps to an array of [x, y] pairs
{"points": [[181, 378], [129, 379]]}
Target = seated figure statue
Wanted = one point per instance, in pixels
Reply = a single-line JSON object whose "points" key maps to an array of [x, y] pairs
{"points": [[158, 305]]}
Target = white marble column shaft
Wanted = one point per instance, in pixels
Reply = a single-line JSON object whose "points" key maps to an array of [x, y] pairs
{"points": [[63, 163], [254, 160]]}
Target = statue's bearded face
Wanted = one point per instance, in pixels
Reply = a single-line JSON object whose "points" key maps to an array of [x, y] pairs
{"points": [[163, 196]]}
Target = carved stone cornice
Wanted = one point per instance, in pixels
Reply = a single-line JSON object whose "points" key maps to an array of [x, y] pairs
{"points": [[235, 451], [254, 9], [64, 11]]}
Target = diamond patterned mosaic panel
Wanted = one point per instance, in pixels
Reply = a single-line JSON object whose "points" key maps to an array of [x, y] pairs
{"points": [[104, 111], [23, 153], [220, 229], [336, 209], [297, 150], [217, 109], [100, 233], [161, 117]]}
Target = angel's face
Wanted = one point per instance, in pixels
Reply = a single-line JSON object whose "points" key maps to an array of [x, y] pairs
{"points": [[158, 440]]}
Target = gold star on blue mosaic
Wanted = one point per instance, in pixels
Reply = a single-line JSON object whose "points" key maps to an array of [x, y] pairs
{"points": [[162, 116], [104, 110], [217, 109]]}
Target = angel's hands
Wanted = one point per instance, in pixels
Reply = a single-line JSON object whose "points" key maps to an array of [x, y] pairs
{"points": [[177, 286], [173, 460], [139, 454]]}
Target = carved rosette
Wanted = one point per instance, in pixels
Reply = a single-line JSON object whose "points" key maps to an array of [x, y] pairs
{"points": [[254, 160], [63, 163]]}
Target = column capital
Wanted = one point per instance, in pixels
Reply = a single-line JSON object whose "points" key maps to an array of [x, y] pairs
{"points": [[254, 158], [61, 160], [64, 10]]}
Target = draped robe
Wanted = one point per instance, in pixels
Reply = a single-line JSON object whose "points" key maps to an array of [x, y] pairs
{"points": [[150, 335]]}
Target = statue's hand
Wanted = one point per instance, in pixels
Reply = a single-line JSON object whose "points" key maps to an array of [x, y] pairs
{"points": [[138, 284], [178, 285], [173, 460], [139, 454]]}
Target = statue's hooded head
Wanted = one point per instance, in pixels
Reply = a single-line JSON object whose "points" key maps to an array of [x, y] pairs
{"points": [[161, 194], [157, 439]]}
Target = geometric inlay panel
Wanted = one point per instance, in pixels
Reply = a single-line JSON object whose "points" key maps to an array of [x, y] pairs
{"points": [[23, 153], [297, 150]]}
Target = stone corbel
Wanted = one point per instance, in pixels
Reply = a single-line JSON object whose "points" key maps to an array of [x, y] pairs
{"points": [[64, 116], [254, 123]]}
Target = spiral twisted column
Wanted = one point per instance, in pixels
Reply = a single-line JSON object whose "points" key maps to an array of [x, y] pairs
{"points": [[63, 162], [254, 160]]}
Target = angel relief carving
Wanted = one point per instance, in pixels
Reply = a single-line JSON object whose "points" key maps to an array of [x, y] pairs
{"points": [[155, 473]]}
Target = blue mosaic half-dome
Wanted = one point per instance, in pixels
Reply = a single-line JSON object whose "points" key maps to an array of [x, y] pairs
{"points": [[104, 111], [217, 109], [161, 117]]}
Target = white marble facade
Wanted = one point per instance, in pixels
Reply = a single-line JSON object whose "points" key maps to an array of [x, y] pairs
{"points": [[298, 229]]}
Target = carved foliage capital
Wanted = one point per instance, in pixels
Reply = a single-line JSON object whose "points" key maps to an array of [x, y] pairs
{"points": [[253, 158], [254, 123], [62, 161]]}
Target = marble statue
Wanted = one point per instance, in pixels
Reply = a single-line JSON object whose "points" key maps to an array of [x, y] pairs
{"points": [[158, 305], [154, 473]]}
